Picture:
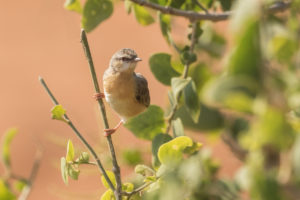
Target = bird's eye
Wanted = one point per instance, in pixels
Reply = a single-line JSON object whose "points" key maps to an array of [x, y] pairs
{"points": [[125, 59]]}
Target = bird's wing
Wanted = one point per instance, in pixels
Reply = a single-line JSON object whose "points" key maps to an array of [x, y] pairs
{"points": [[142, 91]]}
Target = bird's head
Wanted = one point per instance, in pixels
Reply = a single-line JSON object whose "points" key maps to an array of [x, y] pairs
{"points": [[124, 60]]}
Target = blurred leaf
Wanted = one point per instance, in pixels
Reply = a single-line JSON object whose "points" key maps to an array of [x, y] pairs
{"points": [[144, 170], [209, 119], [283, 48], [112, 178], [5, 193], [226, 4], [58, 113], [295, 158], [191, 100], [84, 157], [171, 153], [207, 3], [192, 149], [8, 137], [19, 185], [156, 143], [160, 65], [270, 129], [73, 172], [165, 25], [200, 75], [73, 5], [178, 84], [132, 156], [108, 195], [95, 12], [70, 151], [142, 15], [177, 127], [187, 57], [128, 6], [64, 170], [176, 3], [171, 97], [127, 187], [147, 124]]}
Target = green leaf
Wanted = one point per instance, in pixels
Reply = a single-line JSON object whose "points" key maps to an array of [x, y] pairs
{"points": [[160, 65], [64, 170], [19, 185], [171, 152], [191, 101], [295, 158], [73, 5], [95, 12], [84, 157], [178, 84], [226, 4], [73, 172], [108, 195], [147, 124], [127, 187], [165, 25], [177, 128], [5, 192], [112, 178], [8, 137], [283, 47], [132, 156], [70, 151], [142, 15], [58, 113], [144, 170], [128, 6], [200, 75], [156, 143]]}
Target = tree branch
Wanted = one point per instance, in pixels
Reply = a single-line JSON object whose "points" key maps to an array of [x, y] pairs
{"points": [[102, 170], [277, 7], [129, 194], [116, 168]]}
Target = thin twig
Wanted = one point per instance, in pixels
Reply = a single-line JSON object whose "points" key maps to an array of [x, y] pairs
{"points": [[129, 194], [116, 168], [277, 7], [36, 165], [102, 170], [185, 74]]}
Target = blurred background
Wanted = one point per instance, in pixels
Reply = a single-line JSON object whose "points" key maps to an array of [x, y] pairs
{"points": [[41, 38]]}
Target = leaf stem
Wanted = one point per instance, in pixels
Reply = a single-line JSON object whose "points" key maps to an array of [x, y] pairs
{"points": [[102, 170], [116, 168]]}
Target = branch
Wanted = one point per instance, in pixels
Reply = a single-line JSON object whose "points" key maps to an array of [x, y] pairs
{"points": [[277, 7], [116, 168], [185, 74], [129, 194], [36, 165], [102, 170]]}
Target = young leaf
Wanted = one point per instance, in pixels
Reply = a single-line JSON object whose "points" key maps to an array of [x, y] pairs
{"points": [[144, 170], [73, 172], [147, 124], [58, 113], [142, 15], [64, 170], [191, 100], [108, 195], [172, 152], [156, 143], [112, 178], [84, 157], [95, 12], [5, 192], [8, 137], [73, 5], [70, 151], [127, 187], [177, 128], [178, 84], [160, 65]]}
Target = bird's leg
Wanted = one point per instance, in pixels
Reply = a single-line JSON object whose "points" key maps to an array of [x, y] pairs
{"points": [[98, 96], [110, 131]]}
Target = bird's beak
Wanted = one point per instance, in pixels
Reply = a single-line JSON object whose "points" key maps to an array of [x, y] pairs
{"points": [[137, 59]]}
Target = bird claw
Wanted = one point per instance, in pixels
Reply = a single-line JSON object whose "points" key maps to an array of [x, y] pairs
{"points": [[98, 96]]}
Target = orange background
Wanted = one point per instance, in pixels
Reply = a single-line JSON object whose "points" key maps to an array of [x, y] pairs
{"points": [[40, 37]]}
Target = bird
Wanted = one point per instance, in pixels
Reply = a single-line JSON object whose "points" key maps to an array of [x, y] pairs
{"points": [[125, 91]]}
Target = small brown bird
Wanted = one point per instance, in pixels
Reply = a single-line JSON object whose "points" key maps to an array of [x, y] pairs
{"points": [[124, 90]]}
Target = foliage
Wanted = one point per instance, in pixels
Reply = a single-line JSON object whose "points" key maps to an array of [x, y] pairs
{"points": [[251, 98]]}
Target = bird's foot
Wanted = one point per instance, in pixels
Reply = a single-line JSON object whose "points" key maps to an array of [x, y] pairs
{"points": [[98, 96], [110, 131]]}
